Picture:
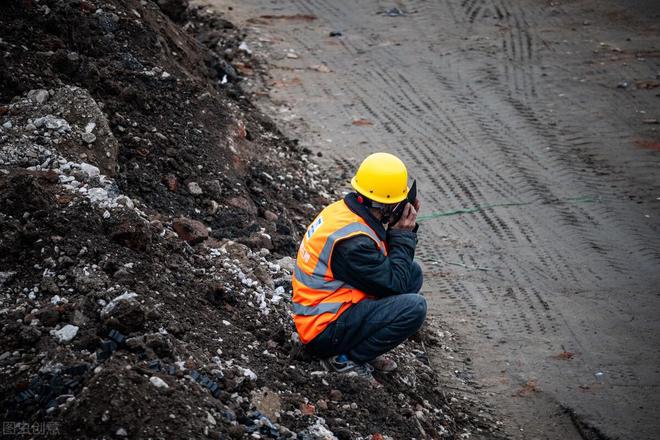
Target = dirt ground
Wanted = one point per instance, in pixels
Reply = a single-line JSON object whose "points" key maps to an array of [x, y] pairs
{"points": [[548, 110]]}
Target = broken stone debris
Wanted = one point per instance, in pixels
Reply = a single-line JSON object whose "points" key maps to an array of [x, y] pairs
{"points": [[158, 382], [66, 333]]}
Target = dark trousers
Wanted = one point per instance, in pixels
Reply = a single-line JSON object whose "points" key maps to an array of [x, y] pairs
{"points": [[373, 326]]}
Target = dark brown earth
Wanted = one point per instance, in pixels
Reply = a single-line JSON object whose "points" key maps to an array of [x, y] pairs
{"points": [[150, 209]]}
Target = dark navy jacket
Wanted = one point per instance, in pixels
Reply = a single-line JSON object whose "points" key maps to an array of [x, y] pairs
{"points": [[358, 261]]}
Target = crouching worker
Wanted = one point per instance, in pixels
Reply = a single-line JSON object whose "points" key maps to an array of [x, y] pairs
{"points": [[355, 285]]}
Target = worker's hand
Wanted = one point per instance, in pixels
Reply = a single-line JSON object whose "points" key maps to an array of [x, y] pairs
{"points": [[408, 219], [417, 205]]}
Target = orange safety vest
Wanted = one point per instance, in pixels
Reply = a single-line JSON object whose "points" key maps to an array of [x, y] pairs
{"points": [[318, 298]]}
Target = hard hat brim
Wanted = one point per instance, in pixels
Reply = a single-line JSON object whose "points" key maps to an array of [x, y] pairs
{"points": [[384, 200]]}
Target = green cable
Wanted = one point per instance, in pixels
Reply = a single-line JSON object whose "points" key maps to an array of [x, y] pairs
{"points": [[571, 200]]}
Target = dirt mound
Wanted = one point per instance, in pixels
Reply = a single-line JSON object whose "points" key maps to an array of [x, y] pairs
{"points": [[148, 216]]}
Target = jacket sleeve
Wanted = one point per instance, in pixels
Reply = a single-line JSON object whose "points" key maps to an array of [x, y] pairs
{"points": [[358, 262]]}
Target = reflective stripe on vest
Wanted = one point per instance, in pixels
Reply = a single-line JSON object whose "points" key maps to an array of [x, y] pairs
{"points": [[317, 279], [299, 309]]}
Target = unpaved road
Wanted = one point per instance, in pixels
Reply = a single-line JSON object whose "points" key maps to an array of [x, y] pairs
{"points": [[502, 101]]}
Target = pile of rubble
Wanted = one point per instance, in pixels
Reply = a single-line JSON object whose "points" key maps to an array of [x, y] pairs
{"points": [[149, 216]]}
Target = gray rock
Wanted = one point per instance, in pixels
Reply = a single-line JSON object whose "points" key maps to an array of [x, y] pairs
{"points": [[40, 96], [66, 333], [194, 188], [126, 296], [52, 122], [127, 315], [286, 263], [90, 170], [158, 382], [88, 137]]}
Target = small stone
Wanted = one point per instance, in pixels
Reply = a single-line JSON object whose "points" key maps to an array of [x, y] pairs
{"points": [[243, 204], [125, 201], [52, 123], [88, 137], [89, 169], [40, 96], [270, 216], [7, 125], [194, 188], [336, 395], [320, 68], [286, 263], [66, 333], [126, 296], [126, 316], [307, 409], [171, 182], [189, 230], [322, 404], [258, 241], [210, 418], [243, 47], [121, 432], [158, 382]]}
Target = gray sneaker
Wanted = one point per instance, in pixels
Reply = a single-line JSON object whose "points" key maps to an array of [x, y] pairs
{"points": [[341, 364]]}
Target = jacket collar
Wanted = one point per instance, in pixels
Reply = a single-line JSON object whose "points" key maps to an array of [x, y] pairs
{"points": [[352, 202]]}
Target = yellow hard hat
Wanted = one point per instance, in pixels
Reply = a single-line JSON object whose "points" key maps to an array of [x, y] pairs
{"points": [[382, 177]]}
